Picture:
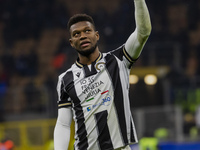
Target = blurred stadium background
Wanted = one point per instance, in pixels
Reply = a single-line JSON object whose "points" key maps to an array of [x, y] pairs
{"points": [[165, 81]]}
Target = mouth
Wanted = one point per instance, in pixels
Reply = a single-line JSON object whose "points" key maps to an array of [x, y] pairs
{"points": [[85, 44]]}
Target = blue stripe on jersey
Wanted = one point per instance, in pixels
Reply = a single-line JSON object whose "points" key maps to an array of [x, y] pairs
{"points": [[113, 69]]}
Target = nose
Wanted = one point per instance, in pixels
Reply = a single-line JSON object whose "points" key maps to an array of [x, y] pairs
{"points": [[83, 35]]}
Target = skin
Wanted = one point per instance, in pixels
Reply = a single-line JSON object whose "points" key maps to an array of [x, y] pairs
{"points": [[84, 39]]}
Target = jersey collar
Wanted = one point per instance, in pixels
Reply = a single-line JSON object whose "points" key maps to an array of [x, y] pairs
{"points": [[81, 65]]}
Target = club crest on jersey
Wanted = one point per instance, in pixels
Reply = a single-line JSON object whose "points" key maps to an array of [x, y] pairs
{"points": [[100, 66]]}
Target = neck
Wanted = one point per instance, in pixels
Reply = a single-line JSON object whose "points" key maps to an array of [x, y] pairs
{"points": [[87, 60]]}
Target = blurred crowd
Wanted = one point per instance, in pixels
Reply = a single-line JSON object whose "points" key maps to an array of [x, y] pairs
{"points": [[34, 45]]}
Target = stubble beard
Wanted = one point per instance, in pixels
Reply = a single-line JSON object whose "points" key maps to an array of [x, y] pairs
{"points": [[87, 52]]}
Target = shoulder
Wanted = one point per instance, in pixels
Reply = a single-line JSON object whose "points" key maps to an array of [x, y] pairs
{"points": [[66, 73], [121, 55], [118, 52]]}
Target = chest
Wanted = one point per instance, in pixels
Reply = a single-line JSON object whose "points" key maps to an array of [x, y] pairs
{"points": [[94, 81]]}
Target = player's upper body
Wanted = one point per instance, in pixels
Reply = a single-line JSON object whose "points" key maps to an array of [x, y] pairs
{"points": [[94, 91], [98, 96]]}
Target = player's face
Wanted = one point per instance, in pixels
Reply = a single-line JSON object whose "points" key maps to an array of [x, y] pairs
{"points": [[83, 37]]}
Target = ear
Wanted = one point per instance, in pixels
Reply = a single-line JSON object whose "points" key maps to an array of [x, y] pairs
{"points": [[97, 35], [71, 42]]}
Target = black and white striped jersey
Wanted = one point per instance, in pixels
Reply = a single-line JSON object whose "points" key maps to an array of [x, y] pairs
{"points": [[99, 97]]}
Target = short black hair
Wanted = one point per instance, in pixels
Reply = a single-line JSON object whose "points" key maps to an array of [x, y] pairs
{"points": [[78, 18]]}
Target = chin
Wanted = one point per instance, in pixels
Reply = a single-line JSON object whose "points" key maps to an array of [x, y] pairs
{"points": [[88, 51]]}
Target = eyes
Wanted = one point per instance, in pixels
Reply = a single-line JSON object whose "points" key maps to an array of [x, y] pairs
{"points": [[78, 33]]}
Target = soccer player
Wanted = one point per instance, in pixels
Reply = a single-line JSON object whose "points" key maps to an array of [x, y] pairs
{"points": [[94, 92]]}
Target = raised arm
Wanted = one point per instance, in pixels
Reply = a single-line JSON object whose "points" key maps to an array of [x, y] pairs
{"points": [[62, 129], [138, 38]]}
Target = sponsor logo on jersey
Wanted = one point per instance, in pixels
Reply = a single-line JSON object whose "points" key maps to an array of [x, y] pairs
{"points": [[78, 74], [88, 108], [104, 102]]}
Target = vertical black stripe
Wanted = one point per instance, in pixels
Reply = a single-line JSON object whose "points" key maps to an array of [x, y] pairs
{"points": [[113, 69], [81, 129], [103, 131], [118, 52], [132, 133], [63, 96], [88, 72]]}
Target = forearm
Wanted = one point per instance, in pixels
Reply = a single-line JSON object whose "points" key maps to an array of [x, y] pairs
{"points": [[62, 129], [61, 137], [138, 38], [143, 23]]}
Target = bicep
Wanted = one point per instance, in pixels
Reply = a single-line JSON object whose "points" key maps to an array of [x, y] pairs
{"points": [[135, 44]]}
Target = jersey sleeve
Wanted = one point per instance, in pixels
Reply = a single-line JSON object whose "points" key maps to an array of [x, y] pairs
{"points": [[63, 98], [123, 55], [62, 129]]}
